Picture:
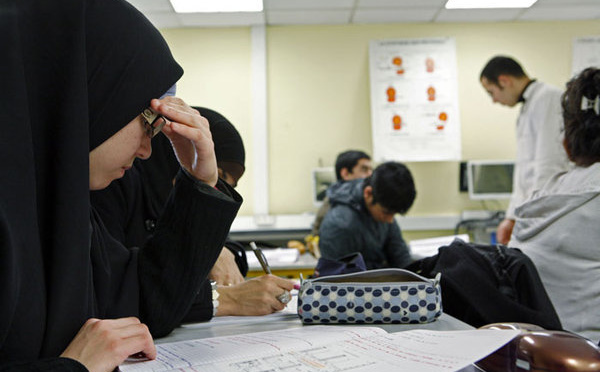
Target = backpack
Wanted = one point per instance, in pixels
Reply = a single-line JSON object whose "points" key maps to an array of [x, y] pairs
{"points": [[483, 284]]}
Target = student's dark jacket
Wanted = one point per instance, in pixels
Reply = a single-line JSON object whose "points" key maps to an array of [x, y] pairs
{"points": [[348, 227]]}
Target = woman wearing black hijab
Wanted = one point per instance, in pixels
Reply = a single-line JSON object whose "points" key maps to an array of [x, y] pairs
{"points": [[131, 206], [77, 75]]}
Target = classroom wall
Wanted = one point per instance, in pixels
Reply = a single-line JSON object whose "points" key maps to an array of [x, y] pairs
{"points": [[217, 75], [318, 97]]}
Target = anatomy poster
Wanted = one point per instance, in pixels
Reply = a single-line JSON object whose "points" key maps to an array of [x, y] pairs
{"points": [[586, 53], [414, 100]]}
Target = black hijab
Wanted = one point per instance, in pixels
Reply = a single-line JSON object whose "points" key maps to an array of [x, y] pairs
{"points": [[229, 147], [74, 73]]}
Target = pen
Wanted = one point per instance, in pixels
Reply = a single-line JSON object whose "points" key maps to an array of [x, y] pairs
{"points": [[261, 258], [285, 297], [263, 261]]}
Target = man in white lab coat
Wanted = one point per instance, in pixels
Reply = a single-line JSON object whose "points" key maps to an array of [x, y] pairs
{"points": [[540, 153]]}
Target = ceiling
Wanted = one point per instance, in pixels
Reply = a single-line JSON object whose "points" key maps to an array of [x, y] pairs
{"points": [[333, 12]]}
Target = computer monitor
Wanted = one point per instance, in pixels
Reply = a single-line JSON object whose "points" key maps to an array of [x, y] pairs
{"points": [[490, 179], [322, 178]]}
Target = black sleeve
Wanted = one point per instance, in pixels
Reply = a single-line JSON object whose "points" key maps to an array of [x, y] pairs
{"points": [[238, 251], [175, 262], [50, 364], [202, 308]]}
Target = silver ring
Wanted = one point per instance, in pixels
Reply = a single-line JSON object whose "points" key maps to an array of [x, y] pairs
{"points": [[285, 297]]}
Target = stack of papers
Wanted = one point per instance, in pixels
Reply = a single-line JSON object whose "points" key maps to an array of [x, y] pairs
{"points": [[328, 349], [275, 257], [422, 248]]}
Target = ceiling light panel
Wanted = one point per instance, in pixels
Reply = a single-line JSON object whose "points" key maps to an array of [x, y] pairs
{"points": [[307, 4], [487, 4], [216, 6]]}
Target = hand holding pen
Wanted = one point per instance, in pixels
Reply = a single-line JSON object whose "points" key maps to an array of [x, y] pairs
{"points": [[285, 297]]}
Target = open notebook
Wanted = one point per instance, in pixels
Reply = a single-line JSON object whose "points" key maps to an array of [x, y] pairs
{"points": [[328, 348]]}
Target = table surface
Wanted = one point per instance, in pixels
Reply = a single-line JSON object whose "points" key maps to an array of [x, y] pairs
{"points": [[288, 319], [234, 325]]}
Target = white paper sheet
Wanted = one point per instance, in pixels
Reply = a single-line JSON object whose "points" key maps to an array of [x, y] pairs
{"points": [[329, 348]]}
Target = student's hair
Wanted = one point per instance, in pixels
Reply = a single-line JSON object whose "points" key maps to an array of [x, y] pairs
{"points": [[582, 125], [501, 65], [393, 187], [348, 159]]}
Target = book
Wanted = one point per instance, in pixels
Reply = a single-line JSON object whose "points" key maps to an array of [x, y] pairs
{"points": [[327, 348]]}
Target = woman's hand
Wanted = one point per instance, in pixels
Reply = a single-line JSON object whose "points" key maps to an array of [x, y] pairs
{"points": [[190, 136], [253, 297], [225, 271], [101, 345]]}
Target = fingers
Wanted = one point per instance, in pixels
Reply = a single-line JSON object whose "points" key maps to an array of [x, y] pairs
{"points": [[175, 109], [101, 345], [278, 290], [141, 343], [285, 297], [182, 119], [253, 297], [130, 335], [283, 283], [190, 137]]}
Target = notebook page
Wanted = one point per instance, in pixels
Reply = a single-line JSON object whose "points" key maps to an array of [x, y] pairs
{"points": [[207, 351]]}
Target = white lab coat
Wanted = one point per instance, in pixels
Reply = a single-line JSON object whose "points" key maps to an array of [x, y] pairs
{"points": [[540, 153]]}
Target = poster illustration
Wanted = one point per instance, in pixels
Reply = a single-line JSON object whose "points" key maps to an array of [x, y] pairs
{"points": [[414, 100]]}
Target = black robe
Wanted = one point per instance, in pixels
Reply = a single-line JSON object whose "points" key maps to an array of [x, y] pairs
{"points": [[131, 210], [74, 73], [131, 205]]}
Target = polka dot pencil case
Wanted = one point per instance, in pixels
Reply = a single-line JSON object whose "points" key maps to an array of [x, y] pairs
{"points": [[374, 296]]}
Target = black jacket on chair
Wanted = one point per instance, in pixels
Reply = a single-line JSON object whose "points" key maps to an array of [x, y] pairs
{"points": [[483, 284]]}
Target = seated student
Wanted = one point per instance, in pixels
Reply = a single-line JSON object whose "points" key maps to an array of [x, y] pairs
{"points": [[558, 226], [133, 205], [361, 218], [349, 165], [78, 102]]}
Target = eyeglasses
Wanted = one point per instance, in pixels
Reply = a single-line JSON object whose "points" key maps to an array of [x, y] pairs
{"points": [[153, 122]]}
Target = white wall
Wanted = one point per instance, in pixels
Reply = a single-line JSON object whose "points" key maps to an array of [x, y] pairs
{"points": [[318, 96]]}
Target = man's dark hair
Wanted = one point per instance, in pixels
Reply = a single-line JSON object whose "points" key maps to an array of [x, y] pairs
{"points": [[582, 125], [348, 159], [501, 65], [393, 187]]}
